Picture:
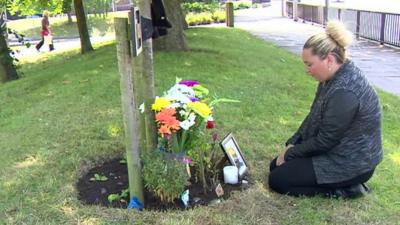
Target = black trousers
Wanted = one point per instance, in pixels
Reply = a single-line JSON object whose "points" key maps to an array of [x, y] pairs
{"points": [[297, 178], [40, 44]]}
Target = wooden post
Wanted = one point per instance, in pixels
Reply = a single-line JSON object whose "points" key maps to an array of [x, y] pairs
{"points": [[326, 12], [358, 24], [295, 12], [129, 109], [383, 21], [146, 64], [229, 14]]}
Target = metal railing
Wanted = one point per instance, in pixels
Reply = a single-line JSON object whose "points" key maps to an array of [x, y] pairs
{"points": [[377, 26]]}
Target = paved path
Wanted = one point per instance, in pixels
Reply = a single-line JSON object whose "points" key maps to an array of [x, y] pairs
{"points": [[381, 65]]}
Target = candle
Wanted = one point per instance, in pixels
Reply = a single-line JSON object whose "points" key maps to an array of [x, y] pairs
{"points": [[231, 175]]}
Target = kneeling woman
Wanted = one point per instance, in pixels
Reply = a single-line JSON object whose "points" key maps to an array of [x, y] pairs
{"points": [[338, 145]]}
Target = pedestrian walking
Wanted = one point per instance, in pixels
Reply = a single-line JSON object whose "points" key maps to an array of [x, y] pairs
{"points": [[47, 37]]}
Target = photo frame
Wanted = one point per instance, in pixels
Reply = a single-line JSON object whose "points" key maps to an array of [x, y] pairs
{"points": [[136, 31], [235, 156]]}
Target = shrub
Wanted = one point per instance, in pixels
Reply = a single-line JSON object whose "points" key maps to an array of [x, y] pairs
{"points": [[242, 5], [199, 18], [193, 19], [165, 178], [199, 7], [219, 16]]}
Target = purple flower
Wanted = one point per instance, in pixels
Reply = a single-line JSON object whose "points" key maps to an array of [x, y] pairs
{"points": [[189, 83], [193, 99]]}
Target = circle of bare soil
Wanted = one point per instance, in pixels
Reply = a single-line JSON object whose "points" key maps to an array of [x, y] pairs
{"points": [[95, 192]]}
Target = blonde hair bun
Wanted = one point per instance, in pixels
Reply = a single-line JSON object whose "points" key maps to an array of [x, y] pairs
{"points": [[338, 32]]}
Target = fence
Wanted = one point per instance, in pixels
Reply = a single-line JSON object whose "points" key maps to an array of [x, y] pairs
{"points": [[377, 26]]}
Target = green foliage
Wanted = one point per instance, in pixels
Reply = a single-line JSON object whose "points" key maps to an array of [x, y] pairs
{"points": [[205, 156], [198, 7], [242, 5], [66, 6], [117, 197], [30, 7], [98, 177], [219, 16], [98, 7], [165, 177], [205, 18]]}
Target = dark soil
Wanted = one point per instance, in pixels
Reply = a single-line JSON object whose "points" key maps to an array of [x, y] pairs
{"points": [[97, 192]]}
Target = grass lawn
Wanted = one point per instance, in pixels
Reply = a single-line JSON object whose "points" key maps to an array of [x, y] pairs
{"points": [[55, 122]]}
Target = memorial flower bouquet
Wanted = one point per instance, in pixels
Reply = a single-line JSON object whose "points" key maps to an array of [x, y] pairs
{"points": [[183, 115]]}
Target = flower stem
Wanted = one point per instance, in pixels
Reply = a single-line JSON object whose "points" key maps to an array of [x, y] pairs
{"points": [[183, 139]]}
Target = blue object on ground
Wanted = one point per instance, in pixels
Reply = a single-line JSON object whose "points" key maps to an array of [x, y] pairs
{"points": [[135, 204]]}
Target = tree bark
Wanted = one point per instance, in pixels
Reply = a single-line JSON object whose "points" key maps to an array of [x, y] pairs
{"points": [[7, 68], [175, 40], [86, 45]]}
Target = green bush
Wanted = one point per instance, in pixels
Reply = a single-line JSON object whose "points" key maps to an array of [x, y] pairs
{"points": [[166, 178], [242, 5], [219, 16], [193, 19], [199, 7]]}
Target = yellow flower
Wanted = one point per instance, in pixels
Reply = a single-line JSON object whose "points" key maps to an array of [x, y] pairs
{"points": [[160, 103], [200, 108]]}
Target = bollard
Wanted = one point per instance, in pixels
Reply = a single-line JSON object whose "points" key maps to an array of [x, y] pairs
{"points": [[229, 14]]}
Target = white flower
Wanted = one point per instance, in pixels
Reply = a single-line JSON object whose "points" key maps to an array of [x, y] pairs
{"points": [[141, 108], [210, 118], [186, 124], [182, 112], [175, 105], [179, 97], [192, 117], [181, 89], [180, 93]]}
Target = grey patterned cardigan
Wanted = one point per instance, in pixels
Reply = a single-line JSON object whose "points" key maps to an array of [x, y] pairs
{"points": [[342, 132]]}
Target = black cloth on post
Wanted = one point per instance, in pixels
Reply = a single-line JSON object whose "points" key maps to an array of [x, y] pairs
{"points": [[159, 18]]}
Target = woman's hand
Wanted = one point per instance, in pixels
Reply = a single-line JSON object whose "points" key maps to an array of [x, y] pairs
{"points": [[281, 158]]}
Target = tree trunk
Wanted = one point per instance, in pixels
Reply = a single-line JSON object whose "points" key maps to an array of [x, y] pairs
{"points": [[7, 68], [184, 23], [86, 45], [69, 18], [175, 40]]}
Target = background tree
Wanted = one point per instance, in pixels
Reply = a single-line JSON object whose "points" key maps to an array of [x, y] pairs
{"points": [[86, 45], [7, 67], [31, 7], [175, 40], [98, 7], [67, 8]]}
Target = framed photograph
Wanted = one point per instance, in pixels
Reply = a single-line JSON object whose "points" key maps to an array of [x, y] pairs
{"points": [[232, 151]]}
